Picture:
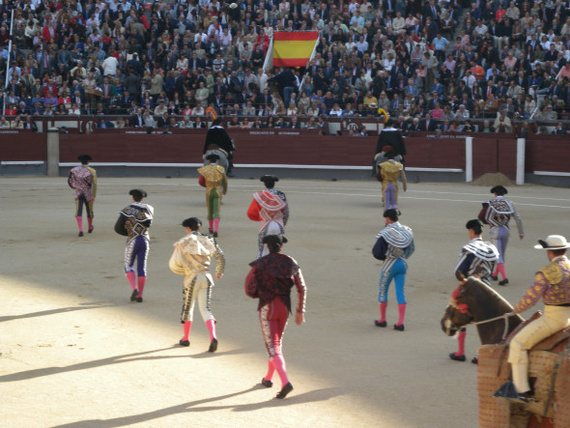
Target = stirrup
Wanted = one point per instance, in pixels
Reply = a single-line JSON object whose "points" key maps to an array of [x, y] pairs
{"points": [[507, 390]]}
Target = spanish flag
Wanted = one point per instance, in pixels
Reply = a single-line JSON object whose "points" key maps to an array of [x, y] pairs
{"points": [[293, 48]]}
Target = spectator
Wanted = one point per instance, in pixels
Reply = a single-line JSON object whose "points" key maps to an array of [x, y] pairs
{"points": [[503, 123]]}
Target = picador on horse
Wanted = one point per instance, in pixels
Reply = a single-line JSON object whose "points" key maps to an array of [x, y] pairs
{"points": [[219, 143], [538, 349]]}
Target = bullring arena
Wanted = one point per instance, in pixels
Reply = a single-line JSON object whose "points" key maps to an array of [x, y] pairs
{"points": [[75, 352]]}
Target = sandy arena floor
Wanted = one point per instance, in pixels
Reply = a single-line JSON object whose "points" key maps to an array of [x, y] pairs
{"points": [[75, 352]]}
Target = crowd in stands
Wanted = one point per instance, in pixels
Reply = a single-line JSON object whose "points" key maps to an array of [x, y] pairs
{"points": [[433, 65]]}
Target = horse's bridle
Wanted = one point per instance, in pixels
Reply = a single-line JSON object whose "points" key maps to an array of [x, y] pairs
{"points": [[464, 309]]}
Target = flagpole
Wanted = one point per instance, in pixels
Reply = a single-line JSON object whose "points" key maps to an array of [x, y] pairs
{"points": [[313, 54], [269, 57]]}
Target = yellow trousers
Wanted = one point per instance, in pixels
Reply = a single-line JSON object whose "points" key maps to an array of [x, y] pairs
{"points": [[554, 319]]}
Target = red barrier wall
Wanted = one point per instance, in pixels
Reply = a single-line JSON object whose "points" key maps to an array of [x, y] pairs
{"points": [[547, 153], [491, 153], [23, 146]]}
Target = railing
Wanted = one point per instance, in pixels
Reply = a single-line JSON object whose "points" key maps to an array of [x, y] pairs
{"points": [[8, 62], [341, 126]]}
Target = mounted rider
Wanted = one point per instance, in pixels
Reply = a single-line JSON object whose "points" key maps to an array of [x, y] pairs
{"points": [[552, 283]]}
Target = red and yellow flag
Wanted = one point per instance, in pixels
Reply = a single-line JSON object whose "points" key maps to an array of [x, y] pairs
{"points": [[293, 48]]}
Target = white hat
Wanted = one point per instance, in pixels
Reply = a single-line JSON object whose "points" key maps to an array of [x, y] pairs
{"points": [[552, 242], [233, 5]]}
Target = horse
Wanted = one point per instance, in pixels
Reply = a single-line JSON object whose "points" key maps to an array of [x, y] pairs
{"points": [[476, 303], [214, 149]]}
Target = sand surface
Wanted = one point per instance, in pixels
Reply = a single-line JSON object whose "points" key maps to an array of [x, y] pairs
{"points": [[75, 352]]}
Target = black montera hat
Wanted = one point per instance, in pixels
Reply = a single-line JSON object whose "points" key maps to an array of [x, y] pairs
{"points": [[212, 157], [392, 214], [274, 239], [84, 158], [271, 178], [499, 190], [138, 193], [193, 223]]}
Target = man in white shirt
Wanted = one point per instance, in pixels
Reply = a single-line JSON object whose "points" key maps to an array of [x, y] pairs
{"points": [[110, 66]]}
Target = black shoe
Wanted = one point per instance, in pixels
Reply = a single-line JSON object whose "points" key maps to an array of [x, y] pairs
{"points": [[213, 345], [184, 342], [399, 327], [229, 174], [455, 357], [215, 234], [90, 229], [475, 360], [139, 299], [504, 281], [134, 295], [380, 323], [285, 390], [266, 383], [494, 278], [80, 234]]}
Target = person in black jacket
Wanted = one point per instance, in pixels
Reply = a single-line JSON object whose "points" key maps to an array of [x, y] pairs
{"points": [[287, 83], [217, 136]]}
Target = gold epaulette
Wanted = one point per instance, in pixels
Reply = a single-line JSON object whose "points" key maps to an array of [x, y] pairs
{"points": [[552, 273]]}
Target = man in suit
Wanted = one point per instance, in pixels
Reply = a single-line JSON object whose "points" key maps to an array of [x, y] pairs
{"points": [[46, 62], [163, 121], [427, 125], [431, 10], [137, 120], [194, 63]]}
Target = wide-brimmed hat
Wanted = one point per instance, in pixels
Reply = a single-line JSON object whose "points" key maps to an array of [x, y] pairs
{"points": [[552, 242]]}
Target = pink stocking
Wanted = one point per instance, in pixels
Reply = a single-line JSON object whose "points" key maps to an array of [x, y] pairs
{"points": [[279, 363], [401, 313], [383, 306], [131, 278], [501, 270], [216, 224], [461, 343], [186, 327], [211, 324], [79, 223], [211, 224], [141, 282], [90, 222], [270, 370]]}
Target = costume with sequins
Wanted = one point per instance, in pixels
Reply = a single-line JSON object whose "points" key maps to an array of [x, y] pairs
{"points": [[390, 171], [213, 178], [83, 179], [192, 257], [271, 209], [270, 280], [134, 222], [552, 283], [497, 213], [477, 256], [394, 245]]}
